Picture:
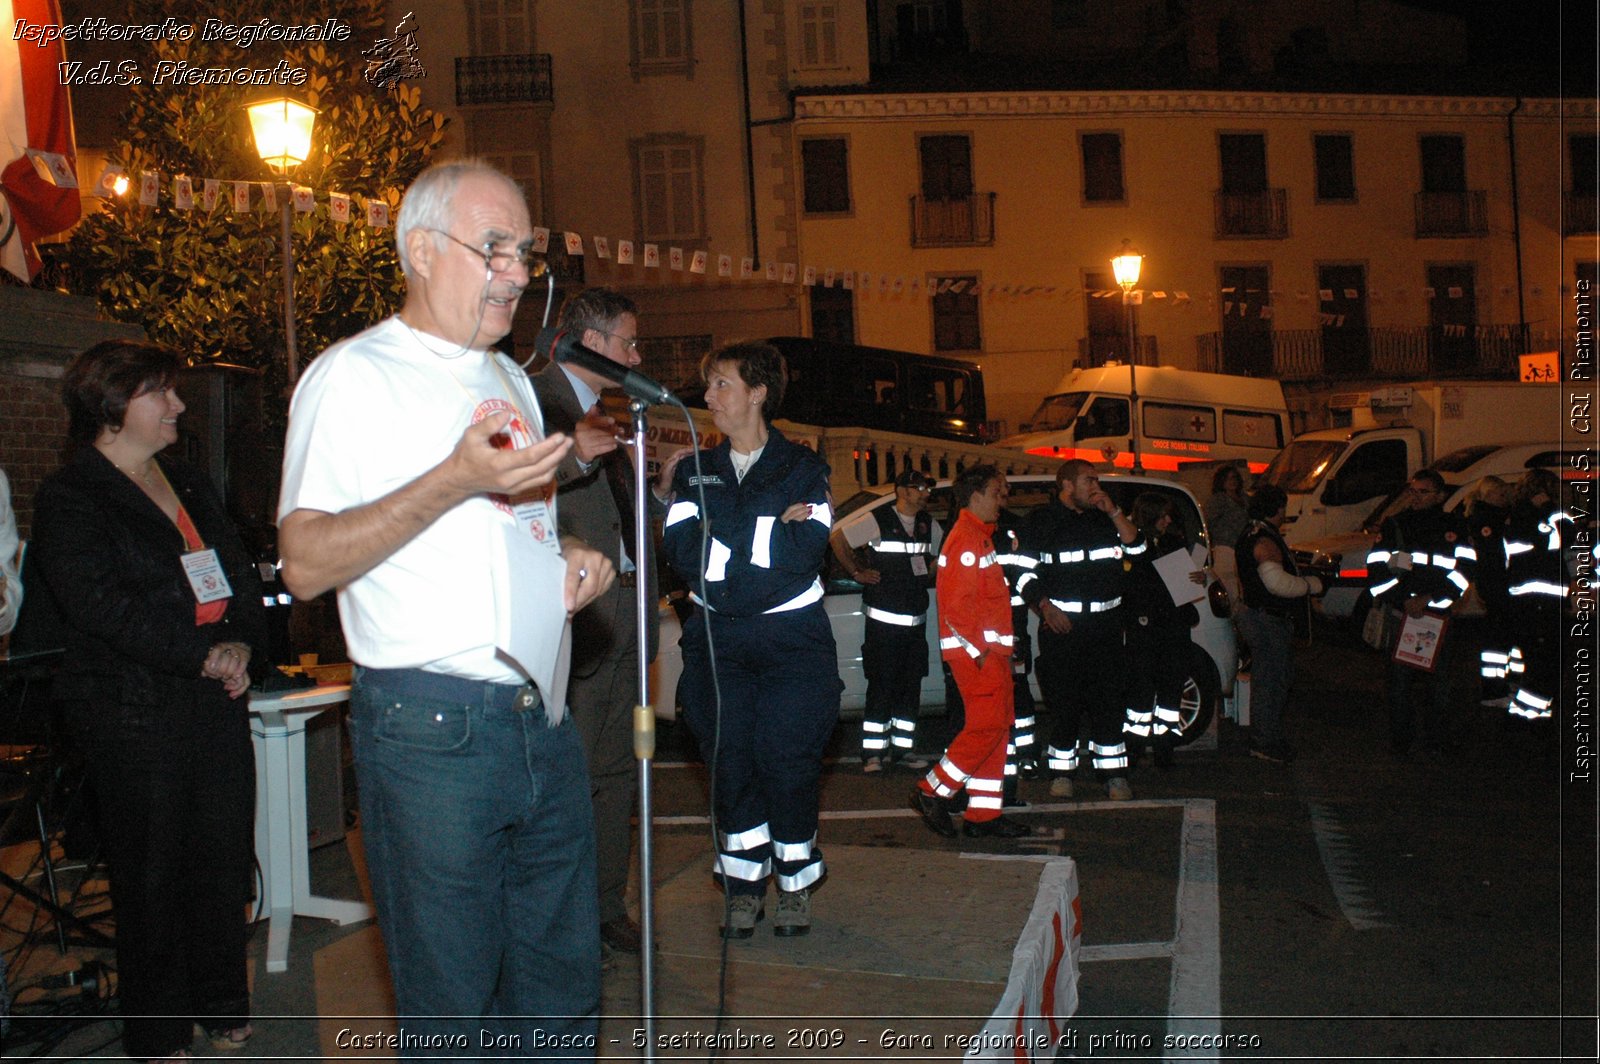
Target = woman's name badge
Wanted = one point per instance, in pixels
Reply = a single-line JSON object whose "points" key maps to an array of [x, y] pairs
{"points": [[919, 565], [206, 578]]}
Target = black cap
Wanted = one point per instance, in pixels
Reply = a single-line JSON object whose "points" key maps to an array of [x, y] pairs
{"points": [[913, 478]]}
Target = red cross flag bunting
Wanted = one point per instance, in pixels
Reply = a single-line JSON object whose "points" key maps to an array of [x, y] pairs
{"points": [[35, 116]]}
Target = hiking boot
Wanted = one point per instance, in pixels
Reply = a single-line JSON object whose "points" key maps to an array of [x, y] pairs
{"points": [[739, 920], [871, 765], [1118, 789], [1061, 787], [913, 762], [793, 914]]}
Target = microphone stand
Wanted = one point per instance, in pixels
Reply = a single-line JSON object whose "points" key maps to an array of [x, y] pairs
{"points": [[644, 727]]}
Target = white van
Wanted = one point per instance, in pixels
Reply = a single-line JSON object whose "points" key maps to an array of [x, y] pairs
{"points": [[1185, 416]]}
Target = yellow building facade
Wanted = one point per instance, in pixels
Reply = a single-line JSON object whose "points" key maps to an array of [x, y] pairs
{"points": [[1332, 226]]}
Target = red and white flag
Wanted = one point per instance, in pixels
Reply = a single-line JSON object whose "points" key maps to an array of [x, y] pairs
{"points": [[36, 116]]}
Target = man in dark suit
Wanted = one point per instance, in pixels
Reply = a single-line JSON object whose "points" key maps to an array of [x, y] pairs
{"points": [[595, 486]]}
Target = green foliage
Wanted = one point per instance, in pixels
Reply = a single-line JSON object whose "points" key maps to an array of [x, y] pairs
{"points": [[210, 283]]}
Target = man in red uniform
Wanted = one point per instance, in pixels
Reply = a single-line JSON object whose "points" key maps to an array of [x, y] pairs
{"points": [[975, 640]]}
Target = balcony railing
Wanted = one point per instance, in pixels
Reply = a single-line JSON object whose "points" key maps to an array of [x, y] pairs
{"points": [[1263, 214], [1452, 214], [1097, 350], [1582, 214], [964, 222], [490, 79], [1417, 353]]}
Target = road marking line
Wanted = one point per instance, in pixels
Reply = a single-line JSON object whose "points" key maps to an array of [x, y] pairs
{"points": [[1338, 861], [1127, 951], [1194, 997]]}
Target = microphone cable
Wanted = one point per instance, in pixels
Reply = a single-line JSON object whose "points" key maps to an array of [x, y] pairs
{"points": [[716, 733]]}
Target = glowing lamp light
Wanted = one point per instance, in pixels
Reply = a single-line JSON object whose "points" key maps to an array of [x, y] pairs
{"points": [[1125, 266], [113, 182], [282, 128]]}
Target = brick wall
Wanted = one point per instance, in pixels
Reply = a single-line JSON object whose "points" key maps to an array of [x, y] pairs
{"points": [[33, 435]]}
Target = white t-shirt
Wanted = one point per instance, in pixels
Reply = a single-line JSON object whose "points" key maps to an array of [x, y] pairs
{"points": [[372, 414]]}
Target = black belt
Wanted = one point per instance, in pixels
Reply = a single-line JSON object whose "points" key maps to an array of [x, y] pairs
{"points": [[1275, 611]]}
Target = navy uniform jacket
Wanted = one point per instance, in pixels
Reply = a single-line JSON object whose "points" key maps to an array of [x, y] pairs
{"points": [[755, 562], [1441, 555], [1077, 556]]}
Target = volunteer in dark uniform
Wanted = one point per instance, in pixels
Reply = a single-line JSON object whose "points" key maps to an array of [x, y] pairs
{"points": [[766, 517], [1077, 543], [1022, 752], [1487, 507], [1157, 633], [1421, 564], [1272, 590], [895, 580], [1536, 580]]}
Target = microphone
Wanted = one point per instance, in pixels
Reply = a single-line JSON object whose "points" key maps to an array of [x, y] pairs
{"points": [[563, 346]]}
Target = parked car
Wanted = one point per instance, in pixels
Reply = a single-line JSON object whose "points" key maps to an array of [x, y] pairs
{"points": [[1342, 559], [1213, 658]]}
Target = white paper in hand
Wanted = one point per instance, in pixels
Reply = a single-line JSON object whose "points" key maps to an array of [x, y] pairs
{"points": [[531, 624], [1177, 571]]}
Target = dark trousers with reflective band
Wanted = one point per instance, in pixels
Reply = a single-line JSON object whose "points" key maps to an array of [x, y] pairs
{"points": [[479, 836], [1158, 667], [174, 788], [779, 678], [1080, 677], [1536, 625], [894, 658]]}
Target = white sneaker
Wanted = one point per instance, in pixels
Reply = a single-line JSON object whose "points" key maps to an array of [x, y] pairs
{"points": [[1061, 787], [872, 764]]}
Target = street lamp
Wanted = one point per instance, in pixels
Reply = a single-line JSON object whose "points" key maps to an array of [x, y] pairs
{"points": [[282, 129], [1125, 266]]}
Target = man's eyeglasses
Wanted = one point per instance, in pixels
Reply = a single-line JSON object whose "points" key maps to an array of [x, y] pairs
{"points": [[629, 342], [501, 260]]}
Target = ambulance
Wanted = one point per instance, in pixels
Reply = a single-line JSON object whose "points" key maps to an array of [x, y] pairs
{"points": [[1184, 417]]}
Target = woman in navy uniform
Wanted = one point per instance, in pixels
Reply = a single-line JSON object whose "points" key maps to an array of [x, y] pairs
{"points": [[759, 638]]}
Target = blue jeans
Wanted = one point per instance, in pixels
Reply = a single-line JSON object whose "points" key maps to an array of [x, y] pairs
{"points": [[480, 844], [1271, 671]]}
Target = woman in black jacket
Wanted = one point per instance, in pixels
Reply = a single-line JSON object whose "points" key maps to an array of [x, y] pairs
{"points": [[161, 606], [1157, 634]]}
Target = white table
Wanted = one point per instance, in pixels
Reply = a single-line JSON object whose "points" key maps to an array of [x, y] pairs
{"points": [[278, 732]]}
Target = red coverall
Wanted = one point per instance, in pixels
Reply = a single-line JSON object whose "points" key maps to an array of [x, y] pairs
{"points": [[975, 639]]}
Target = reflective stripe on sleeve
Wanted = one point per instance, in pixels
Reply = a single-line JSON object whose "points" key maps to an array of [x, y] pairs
{"points": [[717, 561], [681, 511], [761, 542]]}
